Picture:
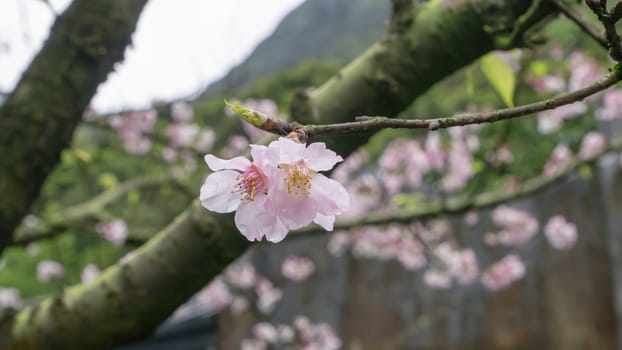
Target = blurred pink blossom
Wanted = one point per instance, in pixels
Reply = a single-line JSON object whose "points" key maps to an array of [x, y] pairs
{"points": [[517, 226], [215, 295], [133, 127], [612, 105], [182, 134], [48, 270], [205, 140], [584, 70], [89, 273], [471, 218], [560, 233], [339, 242], [241, 275], [552, 120], [560, 158], [343, 172], [235, 145], [265, 331], [182, 112], [297, 268], [10, 298], [268, 295], [503, 273], [437, 279], [593, 142], [114, 231]]}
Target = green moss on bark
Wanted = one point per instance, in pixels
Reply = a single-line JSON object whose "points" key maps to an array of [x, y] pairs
{"points": [[38, 118]]}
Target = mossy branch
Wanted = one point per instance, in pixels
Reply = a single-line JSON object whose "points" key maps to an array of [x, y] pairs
{"points": [[38, 118]]}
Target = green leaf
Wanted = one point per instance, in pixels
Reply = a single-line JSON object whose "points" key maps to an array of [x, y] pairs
{"points": [[501, 77]]}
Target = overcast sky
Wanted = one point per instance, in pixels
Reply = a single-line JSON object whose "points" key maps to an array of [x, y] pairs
{"points": [[179, 46]]}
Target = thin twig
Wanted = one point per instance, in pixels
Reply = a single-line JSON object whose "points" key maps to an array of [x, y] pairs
{"points": [[377, 123], [585, 27]]}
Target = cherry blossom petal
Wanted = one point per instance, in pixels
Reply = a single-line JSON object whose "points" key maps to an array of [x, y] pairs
{"points": [[254, 222], [216, 164], [326, 221], [289, 151], [217, 192], [318, 158], [264, 156], [329, 196]]}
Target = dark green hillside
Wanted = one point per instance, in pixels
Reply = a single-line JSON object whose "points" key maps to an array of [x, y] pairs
{"points": [[317, 29]]}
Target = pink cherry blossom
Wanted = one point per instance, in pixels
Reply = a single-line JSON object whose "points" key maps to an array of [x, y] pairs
{"points": [[115, 231], [281, 190], [560, 233], [298, 194], [297, 268], [503, 273], [593, 142], [241, 186], [48, 270]]}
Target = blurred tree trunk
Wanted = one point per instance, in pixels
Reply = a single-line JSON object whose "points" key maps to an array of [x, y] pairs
{"points": [[38, 118], [425, 43]]}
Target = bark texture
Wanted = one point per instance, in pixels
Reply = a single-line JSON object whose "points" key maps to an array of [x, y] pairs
{"points": [[38, 118], [426, 43]]}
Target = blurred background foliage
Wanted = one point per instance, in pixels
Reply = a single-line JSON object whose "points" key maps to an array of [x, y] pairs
{"points": [[278, 68]]}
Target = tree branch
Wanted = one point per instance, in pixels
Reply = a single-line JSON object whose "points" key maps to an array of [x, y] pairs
{"points": [[91, 209], [38, 118], [484, 200], [584, 26], [375, 123]]}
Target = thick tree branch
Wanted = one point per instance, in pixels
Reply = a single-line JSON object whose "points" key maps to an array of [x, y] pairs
{"points": [[38, 118]]}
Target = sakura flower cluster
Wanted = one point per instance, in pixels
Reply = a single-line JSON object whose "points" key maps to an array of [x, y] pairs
{"points": [[278, 191]]}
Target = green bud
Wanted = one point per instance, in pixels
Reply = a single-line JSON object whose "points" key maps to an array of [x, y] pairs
{"points": [[252, 117]]}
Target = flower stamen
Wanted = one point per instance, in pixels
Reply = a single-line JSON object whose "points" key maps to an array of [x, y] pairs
{"points": [[298, 179], [251, 182]]}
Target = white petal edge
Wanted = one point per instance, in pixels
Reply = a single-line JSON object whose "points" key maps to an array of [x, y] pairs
{"points": [[217, 192], [326, 221], [237, 163], [319, 158], [329, 196]]}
